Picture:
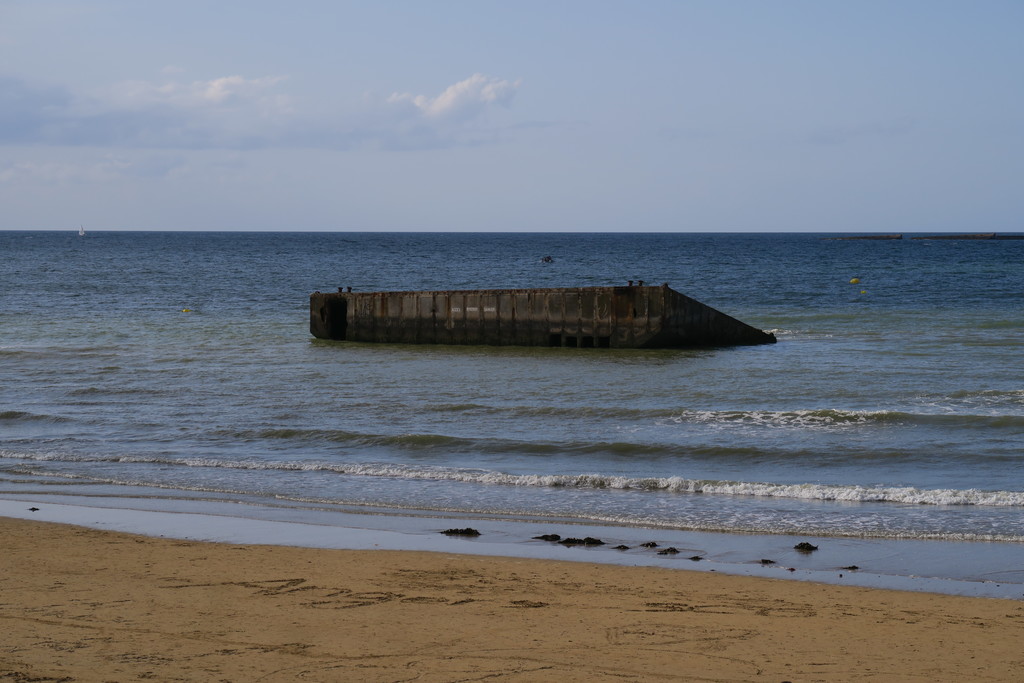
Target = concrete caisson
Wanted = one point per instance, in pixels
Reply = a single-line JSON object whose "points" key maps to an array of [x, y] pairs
{"points": [[582, 317]]}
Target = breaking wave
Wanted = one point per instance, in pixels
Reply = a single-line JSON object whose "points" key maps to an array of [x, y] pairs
{"points": [[674, 485]]}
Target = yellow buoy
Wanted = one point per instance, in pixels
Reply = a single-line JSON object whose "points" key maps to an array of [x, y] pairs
{"points": [[855, 281], [863, 291], [186, 310]]}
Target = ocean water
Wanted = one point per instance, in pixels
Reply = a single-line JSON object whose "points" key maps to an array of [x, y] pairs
{"points": [[178, 367]]}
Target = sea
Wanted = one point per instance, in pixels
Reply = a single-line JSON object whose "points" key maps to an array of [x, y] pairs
{"points": [[175, 372]]}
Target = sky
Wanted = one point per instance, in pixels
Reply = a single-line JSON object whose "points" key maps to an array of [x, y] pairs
{"points": [[532, 115]]}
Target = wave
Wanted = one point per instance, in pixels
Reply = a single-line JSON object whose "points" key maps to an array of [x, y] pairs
{"points": [[115, 391], [991, 403], [1008, 324], [812, 418], [1011, 393], [826, 419], [675, 485], [548, 411], [989, 397], [19, 415], [802, 335], [58, 352], [791, 418], [499, 446], [832, 418], [412, 441]]}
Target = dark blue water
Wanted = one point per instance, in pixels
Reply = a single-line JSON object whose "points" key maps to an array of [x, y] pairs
{"points": [[180, 365]]}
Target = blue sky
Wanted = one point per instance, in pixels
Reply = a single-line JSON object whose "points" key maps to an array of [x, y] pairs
{"points": [[717, 115]]}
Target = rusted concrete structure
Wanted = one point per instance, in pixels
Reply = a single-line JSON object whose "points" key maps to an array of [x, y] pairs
{"points": [[601, 317]]}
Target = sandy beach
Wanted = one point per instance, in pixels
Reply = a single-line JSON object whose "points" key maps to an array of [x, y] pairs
{"points": [[79, 604]]}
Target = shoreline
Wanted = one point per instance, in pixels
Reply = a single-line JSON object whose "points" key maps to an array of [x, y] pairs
{"points": [[973, 569], [82, 604]]}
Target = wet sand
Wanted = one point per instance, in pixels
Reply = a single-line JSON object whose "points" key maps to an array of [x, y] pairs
{"points": [[80, 604]]}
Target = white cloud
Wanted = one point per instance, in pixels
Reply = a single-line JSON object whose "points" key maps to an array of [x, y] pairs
{"points": [[217, 92], [226, 112], [465, 99], [237, 112]]}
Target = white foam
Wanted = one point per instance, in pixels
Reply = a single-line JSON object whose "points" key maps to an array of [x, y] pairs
{"points": [[681, 485], [827, 418]]}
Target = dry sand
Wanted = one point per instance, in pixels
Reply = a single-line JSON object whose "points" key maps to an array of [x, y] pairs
{"points": [[84, 605]]}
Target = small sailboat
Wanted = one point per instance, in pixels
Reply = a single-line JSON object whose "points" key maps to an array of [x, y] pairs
{"points": [[81, 231]]}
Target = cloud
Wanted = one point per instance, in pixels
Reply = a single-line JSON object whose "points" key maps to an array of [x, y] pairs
{"points": [[465, 99], [457, 117], [227, 91], [228, 112], [238, 112]]}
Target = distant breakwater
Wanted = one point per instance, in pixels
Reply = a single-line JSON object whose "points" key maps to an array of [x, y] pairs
{"points": [[899, 236]]}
